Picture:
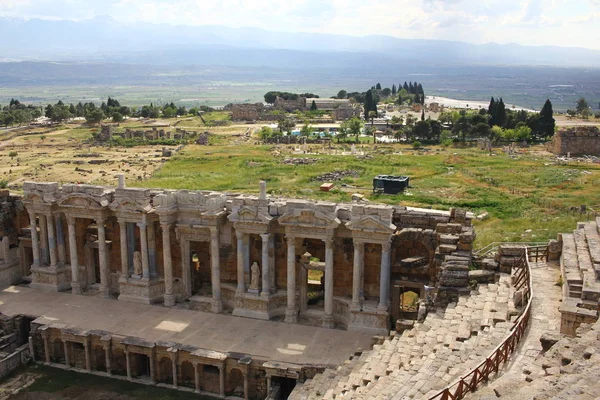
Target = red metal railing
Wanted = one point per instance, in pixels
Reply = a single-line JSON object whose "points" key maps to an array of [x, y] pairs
{"points": [[502, 352]]}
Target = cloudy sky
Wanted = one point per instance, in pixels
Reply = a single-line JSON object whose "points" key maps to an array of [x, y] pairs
{"points": [[529, 22]]}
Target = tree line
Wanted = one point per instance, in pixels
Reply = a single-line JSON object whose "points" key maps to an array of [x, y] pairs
{"points": [[19, 113], [497, 123]]}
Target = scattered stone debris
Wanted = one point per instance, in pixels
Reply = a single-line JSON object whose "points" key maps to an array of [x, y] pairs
{"points": [[202, 139], [337, 175], [86, 155], [300, 161]]}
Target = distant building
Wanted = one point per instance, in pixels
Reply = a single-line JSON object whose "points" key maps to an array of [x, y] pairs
{"points": [[329, 104], [290, 105]]}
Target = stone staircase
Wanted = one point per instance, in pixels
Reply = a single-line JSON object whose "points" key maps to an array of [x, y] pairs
{"points": [[580, 266], [421, 361]]}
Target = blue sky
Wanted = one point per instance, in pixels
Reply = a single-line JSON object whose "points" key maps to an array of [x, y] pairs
{"points": [[529, 22]]}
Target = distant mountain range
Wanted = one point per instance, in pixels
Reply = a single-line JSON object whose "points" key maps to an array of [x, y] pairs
{"points": [[105, 39]]}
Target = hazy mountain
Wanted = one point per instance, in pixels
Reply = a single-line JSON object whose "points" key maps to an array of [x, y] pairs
{"points": [[103, 39]]}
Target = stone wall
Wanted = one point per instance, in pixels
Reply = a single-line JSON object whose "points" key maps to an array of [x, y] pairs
{"points": [[578, 141], [246, 112]]}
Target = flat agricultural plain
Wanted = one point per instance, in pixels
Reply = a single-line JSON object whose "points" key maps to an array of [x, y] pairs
{"points": [[529, 195]]}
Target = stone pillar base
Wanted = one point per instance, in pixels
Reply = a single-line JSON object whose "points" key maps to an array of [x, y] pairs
{"points": [[169, 300], [55, 279], [141, 291], [328, 322], [291, 316], [217, 306], [369, 320], [75, 288]]}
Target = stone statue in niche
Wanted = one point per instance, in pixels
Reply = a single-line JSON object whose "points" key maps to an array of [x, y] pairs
{"points": [[255, 278], [137, 264]]}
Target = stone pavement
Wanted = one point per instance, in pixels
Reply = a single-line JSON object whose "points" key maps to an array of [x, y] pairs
{"points": [[272, 341], [425, 359], [545, 319]]}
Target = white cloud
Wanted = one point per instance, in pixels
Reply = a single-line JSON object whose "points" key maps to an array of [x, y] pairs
{"points": [[562, 22]]}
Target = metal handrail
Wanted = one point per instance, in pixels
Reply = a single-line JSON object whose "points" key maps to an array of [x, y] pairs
{"points": [[493, 245], [501, 353]]}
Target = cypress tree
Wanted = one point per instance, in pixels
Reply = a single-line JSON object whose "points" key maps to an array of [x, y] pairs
{"points": [[492, 112], [393, 89], [547, 122], [378, 87], [500, 113], [411, 88], [313, 106], [405, 87], [423, 115], [368, 103]]}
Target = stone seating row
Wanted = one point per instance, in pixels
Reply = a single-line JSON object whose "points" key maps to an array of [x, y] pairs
{"points": [[423, 360]]}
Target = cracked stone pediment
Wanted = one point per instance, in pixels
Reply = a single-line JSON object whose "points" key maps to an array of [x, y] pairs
{"points": [[127, 205], [372, 223], [250, 214], [84, 201], [308, 218]]}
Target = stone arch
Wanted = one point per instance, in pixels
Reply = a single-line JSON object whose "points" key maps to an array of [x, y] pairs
{"points": [[235, 382], [187, 375], [58, 351], [165, 370], [411, 242]]}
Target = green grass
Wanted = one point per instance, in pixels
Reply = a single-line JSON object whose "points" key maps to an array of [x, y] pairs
{"points": [[528, 192], [54, 380]]}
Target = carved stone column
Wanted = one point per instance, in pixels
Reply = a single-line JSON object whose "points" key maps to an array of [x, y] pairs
{"points": [[291, 314], [52, 241], [43, 240], [67, 358], [217, 303], [144, 250], [357, 275], [88, 361], [107, 356], [222, 380], [152, 360], [60, 241], [103, 257], [241, 284], [246, 397], [46, 346], [174, 366], [35, 243], [185, 266], [197, 368], [384, 279], [328, 317], [75, 284], [151, 230], [124, 254], [266, 267], [168, 265], [128, 362]]}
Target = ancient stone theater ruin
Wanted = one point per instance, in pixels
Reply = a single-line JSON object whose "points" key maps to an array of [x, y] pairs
{"points": [[252, 296]]}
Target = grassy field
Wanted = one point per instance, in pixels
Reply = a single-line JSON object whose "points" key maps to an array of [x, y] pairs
{"points": [[54, 383], [529, 196]]}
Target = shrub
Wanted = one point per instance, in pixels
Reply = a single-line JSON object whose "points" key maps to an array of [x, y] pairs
{"points": [[13, 154], [416, 144], [3, 184]]}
